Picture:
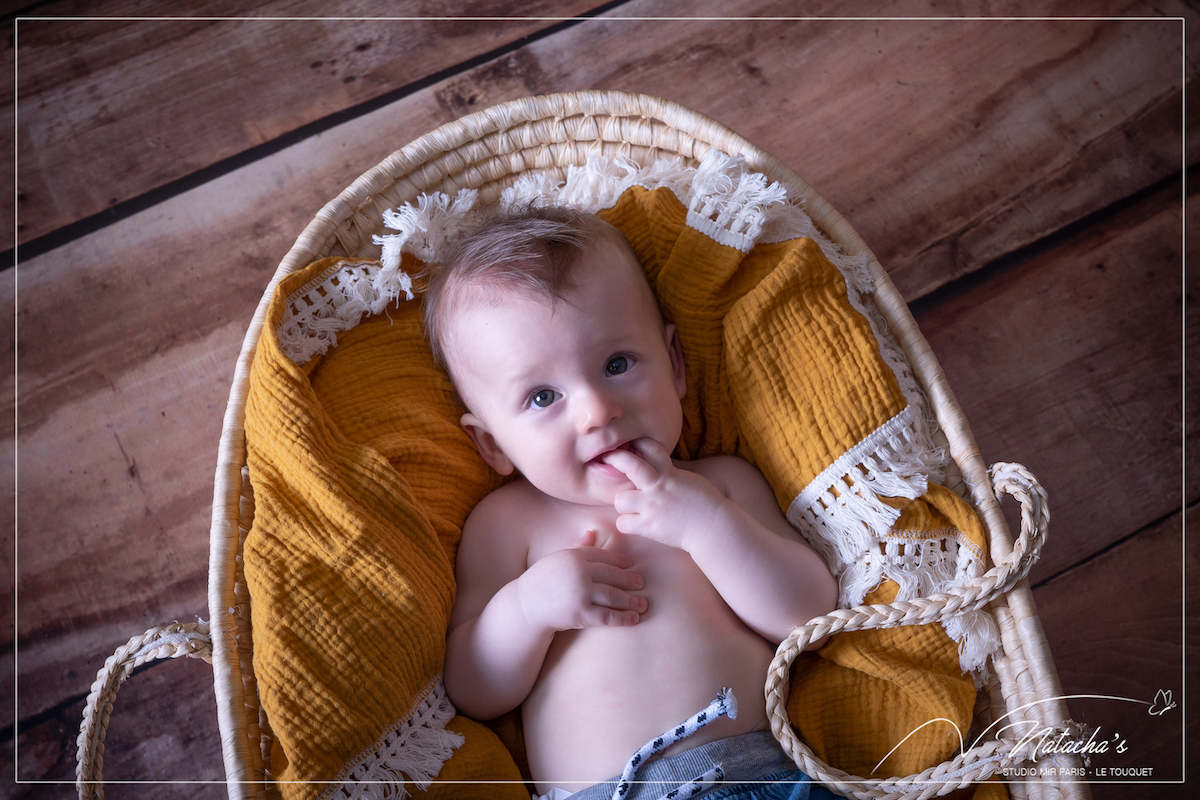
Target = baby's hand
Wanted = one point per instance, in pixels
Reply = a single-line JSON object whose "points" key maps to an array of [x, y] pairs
{"points": [[668, 504], [582, 587]]}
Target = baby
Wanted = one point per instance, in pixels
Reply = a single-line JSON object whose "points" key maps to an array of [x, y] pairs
{"points": [[610, 591]]}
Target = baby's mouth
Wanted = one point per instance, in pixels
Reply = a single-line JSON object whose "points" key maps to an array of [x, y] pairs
{"points": [[627, 446]]}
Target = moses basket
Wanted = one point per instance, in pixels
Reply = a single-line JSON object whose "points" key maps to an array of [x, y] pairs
{"points": [[488, 151]]}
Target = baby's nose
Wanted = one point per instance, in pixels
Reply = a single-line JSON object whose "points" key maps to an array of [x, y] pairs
{"points": [[597, 409]]}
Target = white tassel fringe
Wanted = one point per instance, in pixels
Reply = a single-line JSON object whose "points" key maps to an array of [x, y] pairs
{"points": [[414, 749]]}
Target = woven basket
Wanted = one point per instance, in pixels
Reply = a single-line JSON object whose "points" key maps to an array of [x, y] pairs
{"points": [[487, 151]]}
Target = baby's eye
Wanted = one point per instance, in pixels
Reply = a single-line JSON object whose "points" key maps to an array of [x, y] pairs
{"points": [[616, 365], [544, 398]]}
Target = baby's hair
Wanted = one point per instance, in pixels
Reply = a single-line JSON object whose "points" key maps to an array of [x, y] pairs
{"points": [[531, 250]]}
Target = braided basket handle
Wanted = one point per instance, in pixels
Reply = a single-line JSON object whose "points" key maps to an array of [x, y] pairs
{"points": [[978, 763], [170, 641], [1014, 480]]}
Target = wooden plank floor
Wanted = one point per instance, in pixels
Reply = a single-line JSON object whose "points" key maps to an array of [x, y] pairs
{"points": [[1019, 178]]}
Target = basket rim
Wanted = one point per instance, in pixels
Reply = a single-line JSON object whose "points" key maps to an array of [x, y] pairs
{"points": [[229, 655]]}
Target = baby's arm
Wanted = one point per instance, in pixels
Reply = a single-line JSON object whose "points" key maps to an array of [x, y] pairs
{"points": [[505, 615], [736, 534]]}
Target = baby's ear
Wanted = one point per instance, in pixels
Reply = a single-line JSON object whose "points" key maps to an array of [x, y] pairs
{"points": [[675, 349], [486, 444]]}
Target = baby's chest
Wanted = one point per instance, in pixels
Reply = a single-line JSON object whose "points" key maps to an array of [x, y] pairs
{"points": [[588, 526], [575, 527], [667, 571]]}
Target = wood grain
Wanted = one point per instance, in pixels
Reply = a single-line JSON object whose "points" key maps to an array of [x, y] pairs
{"points": [[127, 340], [1134, 649], [1070, 363], [944, 142], [180, 744], [112, 108], [127, 336], [1005, 129], [1038, 122]]}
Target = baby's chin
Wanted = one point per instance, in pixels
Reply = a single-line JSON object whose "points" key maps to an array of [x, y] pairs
{"points": [[595, 493]]}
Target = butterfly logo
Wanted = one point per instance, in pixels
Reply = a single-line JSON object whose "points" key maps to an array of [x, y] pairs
{"points": [[1162, 703]]}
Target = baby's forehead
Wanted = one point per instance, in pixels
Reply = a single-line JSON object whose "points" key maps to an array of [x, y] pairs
{"points": [[474, 300], [603, 267], [473, 296], [600, 295], [606, 273]]}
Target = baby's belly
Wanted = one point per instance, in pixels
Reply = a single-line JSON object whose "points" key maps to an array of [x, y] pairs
{"points": [[605, 692]]}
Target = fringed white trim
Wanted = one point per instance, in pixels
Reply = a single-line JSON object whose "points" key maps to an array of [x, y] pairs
{"points": [[424, 230], [430, 228], [730, 205], [978, 638], [724, 201], [595, 185], [922, 564], [598, 184], [334, 301], [841, 513], [413, 749]]}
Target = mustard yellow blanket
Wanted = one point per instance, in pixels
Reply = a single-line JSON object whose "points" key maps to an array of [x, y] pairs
{"points": [[362, 481]]}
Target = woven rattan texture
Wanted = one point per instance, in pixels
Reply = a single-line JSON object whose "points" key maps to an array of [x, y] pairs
{"points": [[487, 151]]}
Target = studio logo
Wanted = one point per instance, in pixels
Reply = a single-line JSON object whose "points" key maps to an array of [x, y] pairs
{"points": [[1039, 749]]}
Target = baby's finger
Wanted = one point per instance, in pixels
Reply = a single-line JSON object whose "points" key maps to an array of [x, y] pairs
{"points": [[599, 616], [634, 467], [617, 600], [627, 502], [653, 453], [629, 524], [587, 540], [608, 575], [599, 555]]}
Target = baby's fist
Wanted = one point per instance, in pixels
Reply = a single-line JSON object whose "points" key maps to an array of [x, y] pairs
{"points": [[581, 587]]}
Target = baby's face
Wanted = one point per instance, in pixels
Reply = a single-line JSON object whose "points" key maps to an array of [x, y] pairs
{"points": [[552, 389]]}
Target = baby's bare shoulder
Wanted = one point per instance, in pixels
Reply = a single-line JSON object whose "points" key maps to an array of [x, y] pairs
{"points": [[511, 494], [506, 511], [519, 517], [494, 548]]}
